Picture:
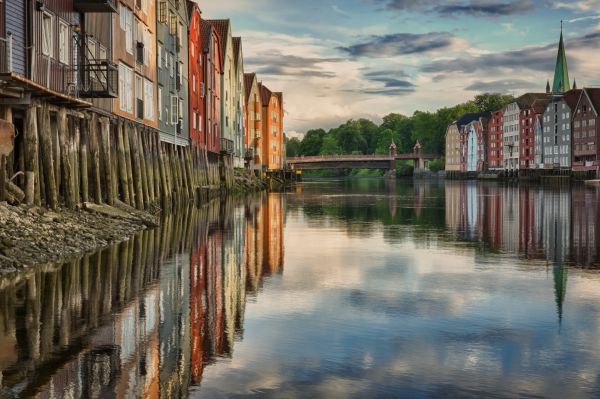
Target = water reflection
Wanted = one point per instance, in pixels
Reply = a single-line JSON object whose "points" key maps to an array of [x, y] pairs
{"points": [[390, 289], [142, 318]]}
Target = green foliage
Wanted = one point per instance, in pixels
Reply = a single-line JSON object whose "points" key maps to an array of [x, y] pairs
{"points": [[365, 137], [330, 146], [437, 164], [293, 147]]}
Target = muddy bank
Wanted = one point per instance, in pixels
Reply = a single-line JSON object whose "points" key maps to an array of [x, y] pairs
{"points": [[34, 235]]}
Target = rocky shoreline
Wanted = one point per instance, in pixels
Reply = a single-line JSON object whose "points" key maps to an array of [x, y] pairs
{"points": [[32, 235]]}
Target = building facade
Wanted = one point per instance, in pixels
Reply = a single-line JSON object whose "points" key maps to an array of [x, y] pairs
{"points": [[134, 29], [172, 71], [212, 67], [557, 130], [272, 134], [197, 88], [253, 122], [510, 136], [538, 129], [495, 147], [223, 29], [528, 119], [586, 133], [239, 102], [475, 137], [453, 148]]}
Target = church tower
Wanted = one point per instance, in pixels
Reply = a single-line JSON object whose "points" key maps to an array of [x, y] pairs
{"points": [[561, 72]]}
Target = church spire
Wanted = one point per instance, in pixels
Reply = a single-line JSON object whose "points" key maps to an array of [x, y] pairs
{"points": [[561, 72], [548, 87], [574, 84]]}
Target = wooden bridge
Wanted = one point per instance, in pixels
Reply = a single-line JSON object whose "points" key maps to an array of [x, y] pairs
{"points": [[385, 161]]}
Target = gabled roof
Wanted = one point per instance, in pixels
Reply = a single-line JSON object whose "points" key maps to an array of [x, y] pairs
{"points": [[468, 118], [265, 95], [222, 27], [237, 46], [206, 33], [593, 94], [191, 7], [540, 105], [527, 99], [571, 98], [248, 80]]}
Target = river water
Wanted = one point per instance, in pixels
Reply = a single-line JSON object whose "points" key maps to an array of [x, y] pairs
{"points": [[358, 288]]}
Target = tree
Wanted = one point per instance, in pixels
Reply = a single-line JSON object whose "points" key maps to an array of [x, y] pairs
{"points": [[311, 144], [330, 146], [292, 147], [385, 140], [490, 102]]}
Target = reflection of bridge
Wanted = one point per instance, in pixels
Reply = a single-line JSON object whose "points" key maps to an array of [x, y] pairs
{"points": [[384, 161]]}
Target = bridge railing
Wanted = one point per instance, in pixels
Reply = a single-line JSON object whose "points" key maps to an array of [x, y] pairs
{"points": [[328, 158]]}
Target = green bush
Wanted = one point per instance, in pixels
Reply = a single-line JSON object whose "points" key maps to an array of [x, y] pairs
{"points": [[437, 164]]}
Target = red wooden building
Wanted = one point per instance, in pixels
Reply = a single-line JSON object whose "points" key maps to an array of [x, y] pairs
{"points": [[213, 69], [494, 146], [527, 119], [586, 133], [198, 134]]}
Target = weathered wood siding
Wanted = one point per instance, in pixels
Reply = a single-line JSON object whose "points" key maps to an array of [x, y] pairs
{"points": [[15, 24], [48, 71], [100, 27]]}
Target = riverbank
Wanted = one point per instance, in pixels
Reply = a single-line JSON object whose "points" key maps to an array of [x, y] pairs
{"points": [[33, 235]]}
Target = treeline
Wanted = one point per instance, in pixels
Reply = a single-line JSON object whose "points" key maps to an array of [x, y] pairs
{"points": [[362, 136]]}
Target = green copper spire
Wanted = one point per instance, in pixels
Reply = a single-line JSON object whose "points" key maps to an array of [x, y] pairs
{"points": [[561, 73]]}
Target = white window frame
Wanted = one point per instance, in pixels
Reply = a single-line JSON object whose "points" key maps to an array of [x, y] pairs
{"points": [[63, 42], [148, 100], [125, 88], [160, 103], [159, 51], [173, 110], [48, 34]]}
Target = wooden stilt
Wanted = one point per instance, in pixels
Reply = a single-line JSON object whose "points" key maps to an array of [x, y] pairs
{"points": [[47, 160], [30, 144], [95, 151], [83, 160], [137, 170], [107, 161], [68, 184], [122, 164], [128, 162]]}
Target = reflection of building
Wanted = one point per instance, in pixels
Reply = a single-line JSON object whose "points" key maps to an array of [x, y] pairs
{"points": [[452, 200], [585, 221], [529, 241], [510, 218], [273, 233], [557, 223], [492, 215]]}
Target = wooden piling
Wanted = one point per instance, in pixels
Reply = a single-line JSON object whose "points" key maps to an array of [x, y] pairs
{"points": [[122, 164], [83, 160], [47, 159], [68, 184], [107, 161], [95, 151], [143, 170], [128, 163], [30, 156], [137, 170]]}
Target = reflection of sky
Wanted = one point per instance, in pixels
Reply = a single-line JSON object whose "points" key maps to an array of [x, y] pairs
{"points": [[358, 316]]}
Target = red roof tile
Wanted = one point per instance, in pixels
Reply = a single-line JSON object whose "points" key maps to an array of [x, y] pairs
{"points": [[222, 27], [237, 45], [248, 80]]}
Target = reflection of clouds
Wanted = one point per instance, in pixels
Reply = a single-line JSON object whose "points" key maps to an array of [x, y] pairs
{"points": [[356, 316]]}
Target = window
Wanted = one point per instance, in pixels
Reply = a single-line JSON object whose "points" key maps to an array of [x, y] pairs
{"points": [[194, 120], [159, 55], [102, 57], [47, 34], [174, 113], [125, 88], [149, 100], [162, 12], [139, 97], [194, 83], [171, 65], [173, 25], [126, 22], [63, 42], [160, 104], [180, 109]]}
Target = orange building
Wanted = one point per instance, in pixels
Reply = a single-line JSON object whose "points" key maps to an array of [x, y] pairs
{"points": [[272, 153]]}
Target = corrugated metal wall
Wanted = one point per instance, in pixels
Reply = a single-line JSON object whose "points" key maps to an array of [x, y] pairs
{"points": [[15, 24]]}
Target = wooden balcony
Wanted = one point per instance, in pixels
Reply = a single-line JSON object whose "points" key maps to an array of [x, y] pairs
{"points": [[95, 5], [226, 146], [98, 79]]}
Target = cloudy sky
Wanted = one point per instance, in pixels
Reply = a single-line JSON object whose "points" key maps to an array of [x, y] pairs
{"points": [[341, 59]]}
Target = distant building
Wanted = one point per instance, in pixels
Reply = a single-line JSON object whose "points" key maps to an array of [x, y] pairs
{"points": [[586, 133], [239, 103], [228, 100], [475, 148], [212, 65], [528, 119], [557, 130], [496, 133], [197, 88], [453, 148], [172, 61], [272, 126], [512, 129], [253, 121]]}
